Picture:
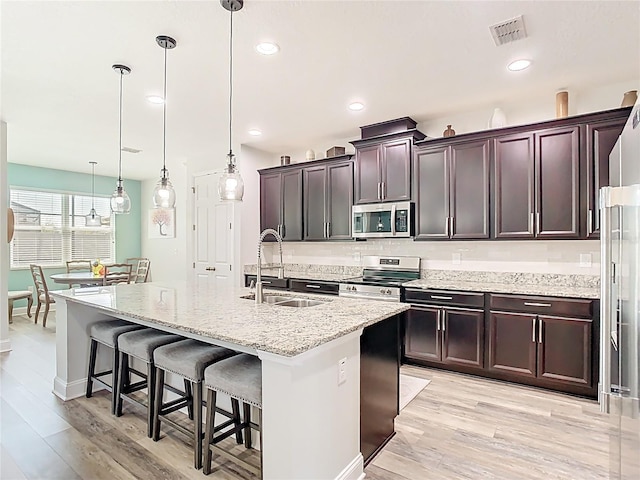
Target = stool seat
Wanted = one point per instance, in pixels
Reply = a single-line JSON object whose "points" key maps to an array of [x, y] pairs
{"points": [[239, 376], [108, 331], [189, 358], [142, 343]]}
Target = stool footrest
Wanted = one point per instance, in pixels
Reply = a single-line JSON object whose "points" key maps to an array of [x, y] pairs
{"points": [[174, 405], [134, 387]]}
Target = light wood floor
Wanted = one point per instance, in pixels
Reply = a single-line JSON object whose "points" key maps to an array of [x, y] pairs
{"points": [[459, 427]]}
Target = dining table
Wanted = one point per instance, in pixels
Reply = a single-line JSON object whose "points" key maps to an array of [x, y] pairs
{"points": [[77, 278]]}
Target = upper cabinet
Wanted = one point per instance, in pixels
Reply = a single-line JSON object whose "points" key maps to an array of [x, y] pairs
{"points": [[327, 200], [281, 203], [451, 191], [383, 167], [537, 184], [601, 136]]}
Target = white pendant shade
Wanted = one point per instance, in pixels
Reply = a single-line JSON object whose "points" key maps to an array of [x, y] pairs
{"points": [[231, 185], [164, 195], [120, 202]]}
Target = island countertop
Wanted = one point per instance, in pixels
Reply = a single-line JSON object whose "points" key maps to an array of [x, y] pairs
{"points": [[204, 309]]}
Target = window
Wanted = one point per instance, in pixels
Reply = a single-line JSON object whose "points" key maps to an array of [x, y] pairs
{"points": [[50, 229]]}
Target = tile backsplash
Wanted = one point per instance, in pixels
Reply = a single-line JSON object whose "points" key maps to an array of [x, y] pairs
{"points": [[560, 256]]}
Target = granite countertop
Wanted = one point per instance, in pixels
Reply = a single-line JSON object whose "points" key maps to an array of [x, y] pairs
{"points": [[515, 288], [205, 309]]}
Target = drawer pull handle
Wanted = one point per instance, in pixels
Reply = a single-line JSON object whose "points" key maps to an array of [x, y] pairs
{"points": [[536, 304], [265, 282], [441, 297], [533, 329], [312, 286]]}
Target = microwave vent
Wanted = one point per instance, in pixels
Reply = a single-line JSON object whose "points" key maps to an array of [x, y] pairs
{"points": [[508, 31]]}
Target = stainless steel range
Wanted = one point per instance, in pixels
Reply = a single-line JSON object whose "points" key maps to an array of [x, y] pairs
{"points": [[382, 278]]}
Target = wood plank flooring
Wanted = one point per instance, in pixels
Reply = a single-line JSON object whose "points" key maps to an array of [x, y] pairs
{"points": [[459, 427]]}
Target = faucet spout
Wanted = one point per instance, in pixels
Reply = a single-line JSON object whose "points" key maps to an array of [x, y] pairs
{"points": [[276, 235]]}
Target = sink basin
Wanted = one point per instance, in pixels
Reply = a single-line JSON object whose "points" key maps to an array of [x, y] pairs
{"points": [[285, 301]]}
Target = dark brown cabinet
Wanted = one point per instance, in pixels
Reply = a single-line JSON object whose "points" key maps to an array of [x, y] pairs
{"points": [[451, 190], [281, 203], [445, 334], [328, 196], [600, 138], [383, 168], [537, 184], [556, 351]]}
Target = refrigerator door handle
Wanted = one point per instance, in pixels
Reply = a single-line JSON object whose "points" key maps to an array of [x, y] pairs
{"points": [[604, 384]]}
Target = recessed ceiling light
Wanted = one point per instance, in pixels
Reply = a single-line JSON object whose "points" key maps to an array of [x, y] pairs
{"points": [[518, 65], [255, 132], [267, 48], [356, 106], [155, 99]]}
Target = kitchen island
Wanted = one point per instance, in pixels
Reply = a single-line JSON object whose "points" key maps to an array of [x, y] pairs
{"points": [[311, 413]]}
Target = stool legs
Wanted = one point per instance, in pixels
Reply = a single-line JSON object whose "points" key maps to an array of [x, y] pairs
{"points": [[151, 385], [92, 363], [247, 431], [157, 403], [209, 427], [197, 420]]}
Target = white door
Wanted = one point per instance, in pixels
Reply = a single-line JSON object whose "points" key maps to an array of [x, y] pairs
{"points": [[213, 225]]}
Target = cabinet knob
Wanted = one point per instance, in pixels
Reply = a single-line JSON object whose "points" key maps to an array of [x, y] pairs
{"points": [[210, 269]]}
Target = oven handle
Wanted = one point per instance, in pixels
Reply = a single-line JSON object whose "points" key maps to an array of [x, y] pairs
{"points": [[393, 220]]}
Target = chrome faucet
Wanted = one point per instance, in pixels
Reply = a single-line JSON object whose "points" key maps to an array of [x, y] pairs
{"points": [[267, 231]]}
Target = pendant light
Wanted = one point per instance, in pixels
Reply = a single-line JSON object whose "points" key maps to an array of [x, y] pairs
{"points": [[120, 202], [230, 185], [164, 196], [93, 219]]}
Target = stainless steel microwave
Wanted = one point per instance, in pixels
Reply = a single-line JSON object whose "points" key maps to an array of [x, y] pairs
{"points": [[382, 220]]}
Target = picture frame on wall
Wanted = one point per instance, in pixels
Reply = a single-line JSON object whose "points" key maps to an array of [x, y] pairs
{"points": [[162, 223]]}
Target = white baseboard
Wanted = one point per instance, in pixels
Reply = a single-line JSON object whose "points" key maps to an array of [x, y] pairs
{"points": [[23, 310], [5, 345], [353, 471], [69, 391]]}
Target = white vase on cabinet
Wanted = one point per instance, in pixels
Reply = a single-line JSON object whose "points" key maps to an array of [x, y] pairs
{"points": [[498, 119]]}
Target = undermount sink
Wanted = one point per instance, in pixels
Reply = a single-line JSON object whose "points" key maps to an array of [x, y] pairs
{"points": [[285, 301]]}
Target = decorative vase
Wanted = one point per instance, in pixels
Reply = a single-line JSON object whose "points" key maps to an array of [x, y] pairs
{"points": [[629, 98], [562, 104], [498, 119], [449, 132], [285, 160], [311, 155]]}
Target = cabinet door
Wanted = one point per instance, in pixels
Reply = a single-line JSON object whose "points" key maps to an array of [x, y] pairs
{"points": [[270, 202], [601, 137], [564, 349], [514, 186], [558, 183], [396, 171], [292, 205], [463, 337], [422, 336], [315, 190], [469, 207], [339, 200], [512, 343], [367, 174], [431, 175]]}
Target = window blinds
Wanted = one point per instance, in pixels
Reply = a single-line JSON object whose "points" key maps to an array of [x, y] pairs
{"points": [[50, 229]]}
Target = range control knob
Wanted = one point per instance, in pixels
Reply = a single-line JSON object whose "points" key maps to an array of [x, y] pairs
{"points": [[388, 291], [383, 291]]}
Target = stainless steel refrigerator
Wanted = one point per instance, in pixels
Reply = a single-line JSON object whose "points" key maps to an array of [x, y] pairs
{"points": [[619, 393]]}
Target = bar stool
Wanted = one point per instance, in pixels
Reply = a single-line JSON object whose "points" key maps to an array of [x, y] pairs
{"points": [[188, 359], [106, 332], [140, 344], [240, 377]]}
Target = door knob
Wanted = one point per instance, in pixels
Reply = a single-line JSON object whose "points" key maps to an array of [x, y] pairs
{"points": [[210, 269]]}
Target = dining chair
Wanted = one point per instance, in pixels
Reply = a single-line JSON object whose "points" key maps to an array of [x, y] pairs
{"points": [[116, 273], [141, 266], [79, 265], [42, 292]]}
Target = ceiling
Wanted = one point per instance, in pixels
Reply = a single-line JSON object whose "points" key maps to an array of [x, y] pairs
{"points": [[424, 59]]}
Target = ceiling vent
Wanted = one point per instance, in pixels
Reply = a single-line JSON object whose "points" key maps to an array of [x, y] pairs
{"points": [[130, 150], [508, 31]]}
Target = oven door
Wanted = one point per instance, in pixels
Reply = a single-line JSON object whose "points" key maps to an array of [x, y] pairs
{"points": [[382, 220]]}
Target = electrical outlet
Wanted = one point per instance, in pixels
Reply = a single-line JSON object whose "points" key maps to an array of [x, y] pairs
{"points": [[342, 371], [455, 258], [585, 259]]}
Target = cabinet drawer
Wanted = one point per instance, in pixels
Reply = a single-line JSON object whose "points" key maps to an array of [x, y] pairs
{"points": [[444, 297], [268, 282], [311, 286], [542, 305]]}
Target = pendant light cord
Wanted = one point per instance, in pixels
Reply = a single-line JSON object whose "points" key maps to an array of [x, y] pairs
{"points": [[230, 80], [164, 118], [120, 139], [93, 185]]}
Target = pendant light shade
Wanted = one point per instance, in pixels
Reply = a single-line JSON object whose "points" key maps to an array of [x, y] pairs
{"points": [[120, 202], [164, 195], [93, 219], [230, 185]]}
